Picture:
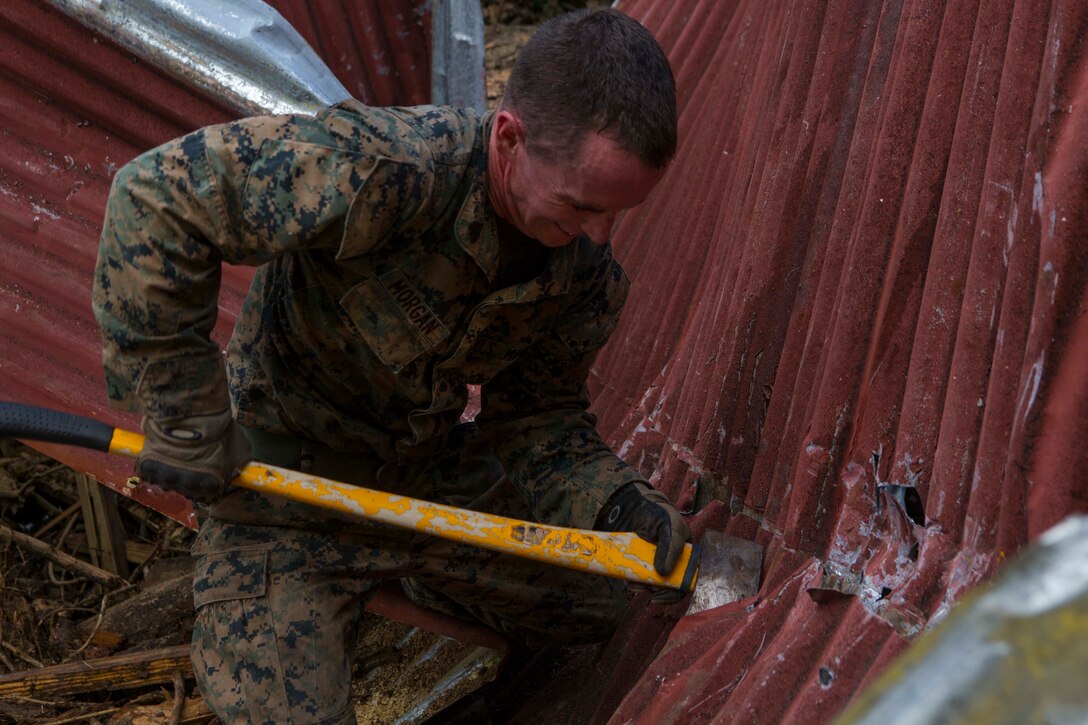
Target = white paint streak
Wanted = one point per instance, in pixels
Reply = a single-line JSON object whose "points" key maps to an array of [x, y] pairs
{"points": [[47, 212], [630, 442], [1031, 389], [1010, 230], [1049, 269]]}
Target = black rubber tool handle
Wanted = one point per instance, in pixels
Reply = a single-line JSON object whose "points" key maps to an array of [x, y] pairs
{"points": [[35, 423]]}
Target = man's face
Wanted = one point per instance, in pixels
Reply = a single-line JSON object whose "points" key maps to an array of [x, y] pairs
{"points": [[556, 202]]}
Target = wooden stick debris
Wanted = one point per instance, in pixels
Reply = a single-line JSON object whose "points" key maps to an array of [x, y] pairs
{"points": [[21, 655], [84, 716], [34, 546], [179, 699]]}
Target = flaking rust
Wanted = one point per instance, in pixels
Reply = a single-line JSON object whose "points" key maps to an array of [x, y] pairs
{"points": [[532, 535], [575, 544]]}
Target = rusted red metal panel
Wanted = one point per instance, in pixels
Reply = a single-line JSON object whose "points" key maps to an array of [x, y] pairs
{"points": [[866, 272], [74, 107], [379, 50]]}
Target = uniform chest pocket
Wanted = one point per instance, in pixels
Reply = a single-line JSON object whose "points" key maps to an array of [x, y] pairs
{"points": [[498, 336], [486, 359], [393, 318]]}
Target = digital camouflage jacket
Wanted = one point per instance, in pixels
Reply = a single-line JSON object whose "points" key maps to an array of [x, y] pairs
{"points": [[375, 304]]}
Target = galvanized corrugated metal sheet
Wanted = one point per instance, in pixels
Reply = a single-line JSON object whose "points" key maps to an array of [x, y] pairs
{"points": [[74, 107], [865, 275]]}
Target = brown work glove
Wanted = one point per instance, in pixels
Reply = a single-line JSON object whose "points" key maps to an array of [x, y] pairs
{"points": [[195, 456], [647, 512]]}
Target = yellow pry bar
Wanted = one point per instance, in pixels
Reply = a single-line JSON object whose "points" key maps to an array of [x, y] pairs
{"points": [[617, 555]]}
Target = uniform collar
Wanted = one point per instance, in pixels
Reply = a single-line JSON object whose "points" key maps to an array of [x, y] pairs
{"points": [[477, 233], [474, 227]]}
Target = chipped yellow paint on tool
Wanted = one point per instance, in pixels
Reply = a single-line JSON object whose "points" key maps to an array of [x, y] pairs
{"points": [[617, 555]]}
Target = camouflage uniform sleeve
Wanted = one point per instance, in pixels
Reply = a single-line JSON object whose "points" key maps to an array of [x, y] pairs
{"points": [[244, 193], [536, 411]]}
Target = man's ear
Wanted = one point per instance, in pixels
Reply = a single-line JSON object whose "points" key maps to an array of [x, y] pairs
{"points": [[509, 134]]}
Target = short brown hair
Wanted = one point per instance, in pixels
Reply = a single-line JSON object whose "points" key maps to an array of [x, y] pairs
{"points": [[594, 70]]}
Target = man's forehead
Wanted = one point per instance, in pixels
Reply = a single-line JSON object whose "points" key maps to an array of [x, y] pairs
{"points": [[607, 177], [567, 197]]}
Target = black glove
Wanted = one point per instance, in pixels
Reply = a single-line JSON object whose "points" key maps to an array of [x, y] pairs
{"points": [[647, 512], [195, 456]]}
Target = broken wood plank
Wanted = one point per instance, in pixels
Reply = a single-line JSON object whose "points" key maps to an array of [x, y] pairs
{"points": [[101, 520], [120, 672], [154, 612], [138, 552], [34, 546]]}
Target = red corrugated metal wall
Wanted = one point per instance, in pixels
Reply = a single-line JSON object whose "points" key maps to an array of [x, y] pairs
{"points": [[867, 269], [379, 50], [74, 107]]}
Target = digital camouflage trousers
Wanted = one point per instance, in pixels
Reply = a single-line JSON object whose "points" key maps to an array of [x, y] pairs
{"points": [[280, 588]]}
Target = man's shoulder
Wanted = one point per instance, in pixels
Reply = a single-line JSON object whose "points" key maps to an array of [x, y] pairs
{"points": [[448, 134]]}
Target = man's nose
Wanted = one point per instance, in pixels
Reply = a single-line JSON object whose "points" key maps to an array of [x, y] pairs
{"points": [[599, 227]]}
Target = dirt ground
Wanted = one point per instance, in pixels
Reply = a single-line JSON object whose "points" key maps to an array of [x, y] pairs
{"points": [[507, 26], [501, 46], [52, 612]]}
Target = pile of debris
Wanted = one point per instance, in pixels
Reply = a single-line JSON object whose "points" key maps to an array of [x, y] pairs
{"points": [[90, 577], [96, 615]]}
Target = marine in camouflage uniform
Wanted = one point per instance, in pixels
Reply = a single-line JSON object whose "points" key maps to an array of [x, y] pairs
{"points": [[386, 286]]}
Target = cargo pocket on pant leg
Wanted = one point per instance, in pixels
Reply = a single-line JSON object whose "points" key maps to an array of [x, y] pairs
{"points": [[235, 657]]}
